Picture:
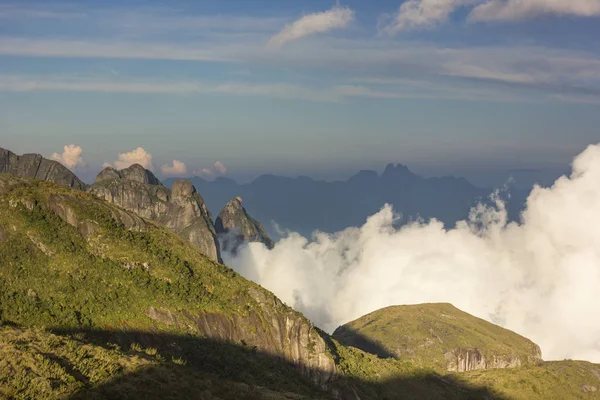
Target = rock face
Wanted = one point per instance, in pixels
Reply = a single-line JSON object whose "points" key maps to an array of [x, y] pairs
{"points": [[183, 209], [34, 166], [439, 336], [274, 328], [463, 360], [235, 226]]}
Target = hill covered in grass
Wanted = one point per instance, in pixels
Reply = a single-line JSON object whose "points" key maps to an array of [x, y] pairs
{"points": [[438, 336]]}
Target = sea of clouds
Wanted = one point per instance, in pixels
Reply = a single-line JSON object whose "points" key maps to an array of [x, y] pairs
{"points": [[539, 277]]}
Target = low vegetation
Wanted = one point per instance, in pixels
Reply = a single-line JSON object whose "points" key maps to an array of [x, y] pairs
{"points": [[425, 333]]}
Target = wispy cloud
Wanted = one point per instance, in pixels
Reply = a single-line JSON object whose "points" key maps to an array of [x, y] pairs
{"points": [[422, 14], [70, 48], [428, 14], [336, 18], [514, 10], [12, 83], [19, 12]]}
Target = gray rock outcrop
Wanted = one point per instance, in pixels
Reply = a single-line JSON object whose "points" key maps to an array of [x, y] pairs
{"points": [[34, 166], [234, 226], [182, 209], [463, 360], [274, 328]]}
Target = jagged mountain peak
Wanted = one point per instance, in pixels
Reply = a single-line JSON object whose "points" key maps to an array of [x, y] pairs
{"points": [[397, 171], [235, 226], [182, 209], [135, 173], [138, 173], [107, 174]]}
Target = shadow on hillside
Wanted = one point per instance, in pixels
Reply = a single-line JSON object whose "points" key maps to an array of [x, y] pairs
{"points": [[188, 367], [351, 337]]}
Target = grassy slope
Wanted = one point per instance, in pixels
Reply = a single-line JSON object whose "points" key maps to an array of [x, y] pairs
{"points": [[51, 273], [35, 364], [423, 333], [549, 380]]}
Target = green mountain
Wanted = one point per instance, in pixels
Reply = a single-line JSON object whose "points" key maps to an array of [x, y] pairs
{"points": [[71, 260], [97, 302], [438, 336]]}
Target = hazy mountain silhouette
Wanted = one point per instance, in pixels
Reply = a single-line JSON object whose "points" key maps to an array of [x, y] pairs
{"points": [[303, 204]]}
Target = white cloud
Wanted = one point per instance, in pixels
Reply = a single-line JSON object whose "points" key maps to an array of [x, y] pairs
{"points": [[422, 14], [71, 156], [217, 169], [136, 156], [105, 49], [514, 10], [177, 169], [539, 277], [12, 83], [336, 18]]}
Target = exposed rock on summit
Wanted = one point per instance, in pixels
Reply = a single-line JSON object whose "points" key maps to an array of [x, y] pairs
{"points": [[183, 209], [35, 166], [234, 226]]}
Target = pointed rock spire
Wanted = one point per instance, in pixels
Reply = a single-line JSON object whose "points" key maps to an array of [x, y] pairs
{"points": [[235, 226]]}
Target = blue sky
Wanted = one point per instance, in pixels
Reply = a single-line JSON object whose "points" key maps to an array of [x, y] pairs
{"points": [[301, 87]]}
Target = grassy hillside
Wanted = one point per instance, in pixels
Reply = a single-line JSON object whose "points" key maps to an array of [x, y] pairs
{"points": [[36, 364], [549, 380], [425, 333], [107, 277]]}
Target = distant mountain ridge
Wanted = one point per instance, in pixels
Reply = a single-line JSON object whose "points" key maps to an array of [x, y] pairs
{"points": [[304, 205]]}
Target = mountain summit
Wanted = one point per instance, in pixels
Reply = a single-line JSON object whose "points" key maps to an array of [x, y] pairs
{"points": [[182, 209], [235, 226]]}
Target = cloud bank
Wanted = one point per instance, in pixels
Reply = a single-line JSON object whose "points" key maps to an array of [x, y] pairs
{"points": [[336, 18], [177, 169], [71, 157], [136, 156], [539, 277]]}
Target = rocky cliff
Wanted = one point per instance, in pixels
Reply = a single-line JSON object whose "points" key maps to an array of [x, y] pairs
{"points": [[34, 166], [235, 226], [438, 336], [182, 209]]}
